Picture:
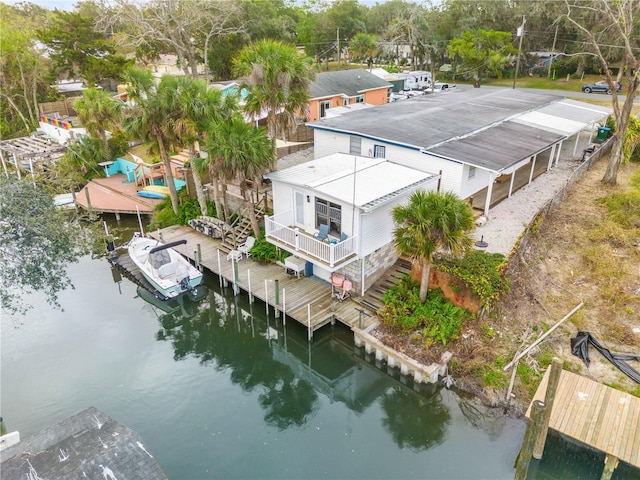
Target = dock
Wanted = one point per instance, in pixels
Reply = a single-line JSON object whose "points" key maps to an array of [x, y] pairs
{"points": [[597, 416], [114, 194], [306, 300]]}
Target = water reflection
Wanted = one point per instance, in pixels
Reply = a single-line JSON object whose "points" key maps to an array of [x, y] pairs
{"points": [[287, 371], [416, 421]]}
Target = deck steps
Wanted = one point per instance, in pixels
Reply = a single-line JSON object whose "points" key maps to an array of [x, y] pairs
{"points": [[373, 297]]}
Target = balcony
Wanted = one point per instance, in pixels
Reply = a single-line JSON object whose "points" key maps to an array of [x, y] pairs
{"points": [[332, 253]]}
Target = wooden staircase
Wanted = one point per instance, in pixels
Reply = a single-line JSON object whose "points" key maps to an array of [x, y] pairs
{"points": [[373, 296], [240, 230]]}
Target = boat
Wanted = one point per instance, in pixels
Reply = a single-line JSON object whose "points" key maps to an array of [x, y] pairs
{"points": [[184, 305], [157, 189], [164, 268], [150, 194]]}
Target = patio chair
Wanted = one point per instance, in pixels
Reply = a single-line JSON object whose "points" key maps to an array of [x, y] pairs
{"points": [[247, 246], [323, 233], [343, 237], [346, 290]]}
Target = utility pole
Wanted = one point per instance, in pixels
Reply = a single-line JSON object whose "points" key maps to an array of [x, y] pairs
{"points": [[553, 52], [338, 38], [521, 35]]}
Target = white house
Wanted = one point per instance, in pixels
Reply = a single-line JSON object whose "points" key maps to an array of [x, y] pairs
{"points": [[352, 196], [473, 138]]}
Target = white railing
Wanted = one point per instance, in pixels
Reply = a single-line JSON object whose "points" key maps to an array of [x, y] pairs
{"points": [[330, 252]]}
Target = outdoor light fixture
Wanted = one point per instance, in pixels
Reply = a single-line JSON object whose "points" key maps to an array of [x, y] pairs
{"points": [[308, 199]]}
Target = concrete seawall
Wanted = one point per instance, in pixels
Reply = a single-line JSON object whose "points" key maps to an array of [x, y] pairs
{"points": [[409, 367]]}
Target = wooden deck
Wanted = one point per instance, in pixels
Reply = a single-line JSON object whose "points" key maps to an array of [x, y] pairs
{"points": [[114, 194], [306, 300], [596, 415]]}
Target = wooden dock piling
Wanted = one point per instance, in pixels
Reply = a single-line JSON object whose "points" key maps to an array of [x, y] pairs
{"points": [[533, 431]]}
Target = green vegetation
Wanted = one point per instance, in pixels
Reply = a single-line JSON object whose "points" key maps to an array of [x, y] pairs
{"points": [[481, 272], [436, 320], [266, 252], [188, 210]]}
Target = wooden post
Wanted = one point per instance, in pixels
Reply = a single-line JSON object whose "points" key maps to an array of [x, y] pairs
{"points": [[284, 307], [610, 464], [86, 193], [199, 257], [552, 386], [524, 457]]}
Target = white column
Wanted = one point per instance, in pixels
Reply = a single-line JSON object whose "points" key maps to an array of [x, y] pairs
{"points": [[513, 176], [575, 146], [551, 155], [558, 152], [487, 202], [533, 167]]}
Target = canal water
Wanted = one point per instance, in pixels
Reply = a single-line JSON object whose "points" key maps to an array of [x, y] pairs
{"points": [[219, 389]]}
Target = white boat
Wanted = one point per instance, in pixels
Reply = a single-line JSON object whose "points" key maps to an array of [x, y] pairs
{"points": [[165, 269]]}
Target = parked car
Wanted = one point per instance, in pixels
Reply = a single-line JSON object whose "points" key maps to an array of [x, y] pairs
{"points": [[443, 86], [601, 86]]}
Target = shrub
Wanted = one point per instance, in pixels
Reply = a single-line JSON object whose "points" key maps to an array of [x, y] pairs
{"points": [[438, 320], [481, 272], [188, 210], [264, 251]]}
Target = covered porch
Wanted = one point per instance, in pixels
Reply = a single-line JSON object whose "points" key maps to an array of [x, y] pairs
{"points": [[333, 253]]}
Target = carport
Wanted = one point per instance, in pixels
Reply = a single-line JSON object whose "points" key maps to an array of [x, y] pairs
{"points": [[502, 150]]}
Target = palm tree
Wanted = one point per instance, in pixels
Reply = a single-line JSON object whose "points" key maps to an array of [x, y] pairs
{"points": [[153, 114], [99, 112], [201, 107], [276, 77], [245, 152], [432, 221], [364, 46]]}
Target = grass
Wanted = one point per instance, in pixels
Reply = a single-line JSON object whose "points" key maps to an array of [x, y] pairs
{"points": [[142, 151]]}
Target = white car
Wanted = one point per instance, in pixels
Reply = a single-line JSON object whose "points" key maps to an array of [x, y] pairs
{"points": [[443, 86]]}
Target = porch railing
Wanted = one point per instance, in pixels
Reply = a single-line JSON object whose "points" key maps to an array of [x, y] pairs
{"points": [[330, 252]]}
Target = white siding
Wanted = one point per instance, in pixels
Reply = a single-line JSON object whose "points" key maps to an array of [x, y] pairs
{"points": [[377, 228], [325, 143], [469, 186]]}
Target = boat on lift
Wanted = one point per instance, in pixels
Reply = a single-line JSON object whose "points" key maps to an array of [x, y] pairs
{"points": [[166, 270]]}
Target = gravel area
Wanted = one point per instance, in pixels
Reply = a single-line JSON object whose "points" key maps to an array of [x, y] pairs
{"points": [[508, 219]]}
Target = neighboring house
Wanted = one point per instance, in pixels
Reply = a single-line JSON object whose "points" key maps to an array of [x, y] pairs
{"points": [[167, 64], [473, 138], [352, 196], [344, 88]]}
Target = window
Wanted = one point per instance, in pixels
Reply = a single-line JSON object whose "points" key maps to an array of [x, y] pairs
{"points": [[345, 101], [324, 106], [328, 213], [379, 151], [355, 145], [472, 172], [360, 99]]}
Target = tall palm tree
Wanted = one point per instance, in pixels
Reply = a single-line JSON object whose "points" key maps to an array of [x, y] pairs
{"points": [[245, 153], [201, 107], [276, 78], [153, 115], [432, 221], [99, 112]]}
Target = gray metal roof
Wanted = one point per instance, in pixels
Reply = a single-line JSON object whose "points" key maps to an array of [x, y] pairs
{"points": [[375, 182], [510, 143], [86, 445], [346, 82], [427, 120]]}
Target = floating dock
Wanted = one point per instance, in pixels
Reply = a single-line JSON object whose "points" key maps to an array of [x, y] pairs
{"points": [[595, 415]]}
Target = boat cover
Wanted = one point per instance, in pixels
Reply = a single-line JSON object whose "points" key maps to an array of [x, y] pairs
{"points": [[580, 348]]}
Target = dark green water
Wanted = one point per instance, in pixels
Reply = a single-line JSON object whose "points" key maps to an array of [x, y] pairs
{"points": [[219, 390]]}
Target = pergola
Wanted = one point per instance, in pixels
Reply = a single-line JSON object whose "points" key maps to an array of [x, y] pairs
{"points": [[23, 152]]}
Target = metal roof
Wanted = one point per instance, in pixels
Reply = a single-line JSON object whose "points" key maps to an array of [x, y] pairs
{"points": [[566, 116], [422, 122], [345, 82], [375, 182], [499, 147]]}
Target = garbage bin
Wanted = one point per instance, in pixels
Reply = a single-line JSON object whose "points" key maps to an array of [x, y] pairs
{"points": [[308, 269], [603, 133]]}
